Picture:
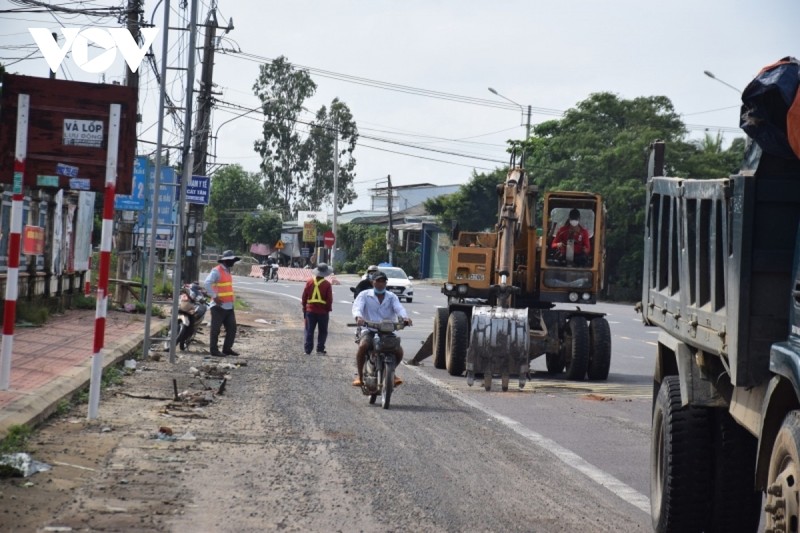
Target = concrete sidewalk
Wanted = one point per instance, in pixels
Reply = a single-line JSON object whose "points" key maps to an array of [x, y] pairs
{"points": [[52, 362]]}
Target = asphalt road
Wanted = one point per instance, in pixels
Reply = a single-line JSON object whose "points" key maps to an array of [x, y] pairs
{"points": [[600, 431]]}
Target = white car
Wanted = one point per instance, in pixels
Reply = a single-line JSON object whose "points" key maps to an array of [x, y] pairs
{"points": [[398, 282]]}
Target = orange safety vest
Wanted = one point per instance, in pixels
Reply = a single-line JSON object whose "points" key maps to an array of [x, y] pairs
{"points": [[224, 285], [316, 296]]}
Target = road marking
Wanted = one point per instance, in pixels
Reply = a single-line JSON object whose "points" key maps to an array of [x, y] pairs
{"points": [[613, 322], [651, 343], [568, 457], [626, 338], [634, 356], [415, 312]]}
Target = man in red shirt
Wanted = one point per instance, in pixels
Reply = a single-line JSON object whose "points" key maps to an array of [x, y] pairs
{"points": [[317, 304], [573, 231]]}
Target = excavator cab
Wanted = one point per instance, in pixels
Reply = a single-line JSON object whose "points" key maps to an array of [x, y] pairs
{"points": [[572, 250]]}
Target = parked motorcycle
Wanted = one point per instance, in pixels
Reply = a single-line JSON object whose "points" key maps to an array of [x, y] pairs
{"points": [[192, 308], [270, 272], [379, 364]]}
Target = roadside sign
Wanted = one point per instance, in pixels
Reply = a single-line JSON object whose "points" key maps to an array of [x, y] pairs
{"points": [[329, 239], [279, 245]]}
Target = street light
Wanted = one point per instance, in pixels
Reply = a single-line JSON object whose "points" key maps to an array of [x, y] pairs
{"points": [[528, 123], [711, 75]]}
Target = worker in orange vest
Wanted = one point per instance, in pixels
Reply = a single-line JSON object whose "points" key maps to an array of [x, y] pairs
{"points": [[219, 285]]}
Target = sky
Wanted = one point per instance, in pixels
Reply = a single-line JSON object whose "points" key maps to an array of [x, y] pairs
{"points": [[547, 54]]}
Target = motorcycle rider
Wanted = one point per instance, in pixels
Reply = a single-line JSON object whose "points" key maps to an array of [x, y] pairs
{"points": [[375, 305], [365, 283]]}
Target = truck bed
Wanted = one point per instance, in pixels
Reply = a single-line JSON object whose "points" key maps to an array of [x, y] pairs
{"points": [[718, 262]]}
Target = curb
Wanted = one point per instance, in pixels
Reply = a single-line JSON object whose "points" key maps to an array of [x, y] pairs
{"points": [[40, 404]]}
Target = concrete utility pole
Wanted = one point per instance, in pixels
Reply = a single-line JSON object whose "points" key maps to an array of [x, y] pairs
{"points": [[390, 236], [194, 228], [125, 219], [335, 187]]}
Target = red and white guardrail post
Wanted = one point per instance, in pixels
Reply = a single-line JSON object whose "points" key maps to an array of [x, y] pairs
{"points": [[105, 259], [14, 239]]}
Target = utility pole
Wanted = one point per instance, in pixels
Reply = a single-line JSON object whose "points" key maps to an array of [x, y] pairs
{"points": [[194, 229], [390, 236], [335, 187], [125, 218], [528, 125]]}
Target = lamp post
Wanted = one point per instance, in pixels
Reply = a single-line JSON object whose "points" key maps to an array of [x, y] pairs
{"points": [[528, 122], [711, 75]]}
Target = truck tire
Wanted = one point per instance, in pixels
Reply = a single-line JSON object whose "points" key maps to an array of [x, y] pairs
{"points": [[576, 342], [736, 503], [440, 337], [784, 471], [555, 363], [600, 358], [681, 461], [457, 341]]}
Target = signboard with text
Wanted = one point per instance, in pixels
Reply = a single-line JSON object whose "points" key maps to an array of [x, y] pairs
{"points": [[33, 241], [164, 203], [68, 127], [134, 201]]}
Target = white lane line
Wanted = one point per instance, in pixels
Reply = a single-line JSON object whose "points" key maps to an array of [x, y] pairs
{"points": [[568, 457], [651, 343], [634, 356], [415, 312], [614, 322]]}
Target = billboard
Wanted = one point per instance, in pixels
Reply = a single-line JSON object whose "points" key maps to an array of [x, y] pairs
{"points": [[68, 130]]}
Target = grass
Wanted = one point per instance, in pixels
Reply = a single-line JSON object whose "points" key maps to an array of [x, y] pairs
{"points": [[240, 305], [84, 302], [16, 440], [32, 312]]}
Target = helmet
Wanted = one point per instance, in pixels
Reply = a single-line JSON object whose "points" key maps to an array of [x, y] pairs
{"points": [[379, 275], [372, 268]]}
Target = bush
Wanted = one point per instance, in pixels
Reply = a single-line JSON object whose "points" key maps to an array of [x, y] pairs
{"points": [[79, 301], [33, 312]]}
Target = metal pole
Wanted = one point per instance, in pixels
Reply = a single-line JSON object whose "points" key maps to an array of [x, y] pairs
{"points": [[390, 237], [187, 176], [151, 263], [14, 239], [105, 259]]}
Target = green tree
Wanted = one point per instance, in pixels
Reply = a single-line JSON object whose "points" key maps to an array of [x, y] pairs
{"points": [[318, 148], [284, 161], [261, 227], [473, 207], [235, 193]]}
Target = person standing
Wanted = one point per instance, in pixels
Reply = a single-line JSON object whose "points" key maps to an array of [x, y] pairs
{"points": [[317, 303], [219, 285]]}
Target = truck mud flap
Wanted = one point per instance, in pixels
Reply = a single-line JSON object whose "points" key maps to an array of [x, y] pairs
{"points": [[499, 344]]}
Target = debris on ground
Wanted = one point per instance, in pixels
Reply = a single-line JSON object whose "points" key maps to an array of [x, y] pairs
{"points": [[20, 465]]}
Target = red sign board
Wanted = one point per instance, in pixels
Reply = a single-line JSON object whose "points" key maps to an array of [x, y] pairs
{"points": [[329, 239], [67, 133], [33, 240]]}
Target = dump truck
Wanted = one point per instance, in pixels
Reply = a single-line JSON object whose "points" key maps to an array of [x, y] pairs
{"points": [[503, 287], [722, 282]]}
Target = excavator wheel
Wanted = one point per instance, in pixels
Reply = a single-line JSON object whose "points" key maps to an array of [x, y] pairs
{"points": [[457, 340], [576, 342], [440, 337], [600, 360]]}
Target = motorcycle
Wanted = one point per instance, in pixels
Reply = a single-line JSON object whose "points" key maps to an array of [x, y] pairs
{"points": [[192, 308], [270, 272], [379, 364]]}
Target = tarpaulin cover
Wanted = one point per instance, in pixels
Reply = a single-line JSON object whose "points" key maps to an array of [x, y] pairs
{"points": [[771, 108]]}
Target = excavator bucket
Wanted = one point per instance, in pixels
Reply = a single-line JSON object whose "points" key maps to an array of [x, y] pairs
{"points": [[426, 350], [499, 345]]}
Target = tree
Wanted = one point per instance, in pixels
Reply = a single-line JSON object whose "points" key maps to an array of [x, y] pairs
{"points": [[282, 91], [261, 227], [473, 207], [234, 194], [318, 148]]}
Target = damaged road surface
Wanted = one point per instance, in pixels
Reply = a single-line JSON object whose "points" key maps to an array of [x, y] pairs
{"points": [[278, 440]]}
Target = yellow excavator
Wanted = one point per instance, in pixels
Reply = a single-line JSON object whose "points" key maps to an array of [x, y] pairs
{"points": [[503, 287]]}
